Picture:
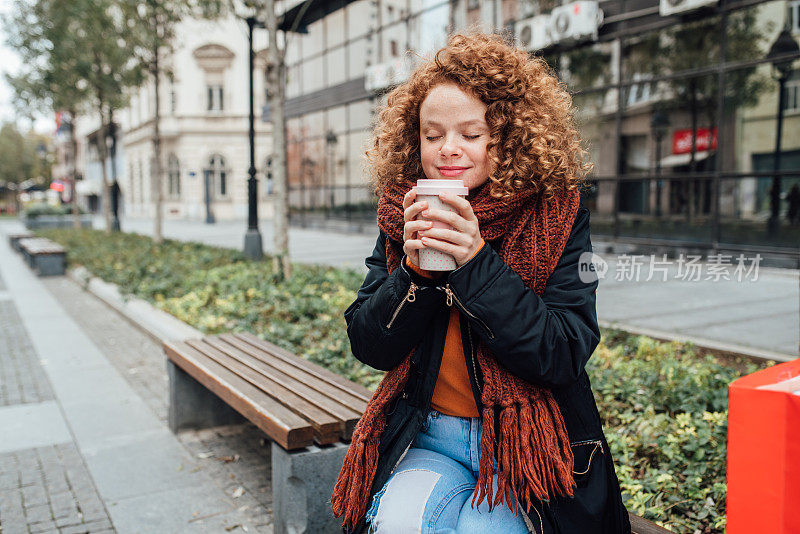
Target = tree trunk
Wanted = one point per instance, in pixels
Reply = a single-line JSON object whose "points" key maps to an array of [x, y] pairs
{"points": [[156, 177], [102, 149], [275, 77], [73, 145]]}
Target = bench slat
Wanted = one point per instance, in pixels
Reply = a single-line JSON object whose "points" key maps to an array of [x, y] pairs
{"points": [[351, 388], [278, 422], [254, 358], [296, 367], [40, 245], [643, 526], [327, 428]]}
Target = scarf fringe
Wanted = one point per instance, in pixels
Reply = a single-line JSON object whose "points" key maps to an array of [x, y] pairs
{"points": [[352, 489], [525, 472], [484, 488]]}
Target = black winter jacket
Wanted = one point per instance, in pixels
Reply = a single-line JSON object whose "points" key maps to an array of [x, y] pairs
{"points": [[545, 340]]}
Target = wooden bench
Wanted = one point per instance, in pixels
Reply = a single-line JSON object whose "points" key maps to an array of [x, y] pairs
{"points": [[45, 257], [643, 526], [13, 239], [307, 411]]}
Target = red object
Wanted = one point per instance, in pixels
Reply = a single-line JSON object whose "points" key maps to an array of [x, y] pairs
{"points": [[682, 140], [764, 451], [57, 186]]}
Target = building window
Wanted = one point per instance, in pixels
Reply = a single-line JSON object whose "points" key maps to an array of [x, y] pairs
{"points": [[794, 16], [173, 99], [214, 102], [269, 183], [791, 95], [218, 176], [173, 177]]}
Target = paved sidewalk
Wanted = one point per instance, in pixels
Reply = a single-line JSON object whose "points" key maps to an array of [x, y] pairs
{"points": [[84, 446], [339, 249], [759, 315]]}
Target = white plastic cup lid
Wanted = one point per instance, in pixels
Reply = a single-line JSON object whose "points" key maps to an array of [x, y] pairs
{"points": [[434, 187]]}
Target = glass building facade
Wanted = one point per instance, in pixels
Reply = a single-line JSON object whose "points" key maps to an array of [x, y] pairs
{"points": [[642, 82]]}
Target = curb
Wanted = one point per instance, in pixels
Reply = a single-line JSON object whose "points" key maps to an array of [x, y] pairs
{"points": [[702, 343], [158, 324]]}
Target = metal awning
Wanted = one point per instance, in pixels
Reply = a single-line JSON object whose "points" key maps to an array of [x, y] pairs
{"points": [[676, 160], [309, 11]]}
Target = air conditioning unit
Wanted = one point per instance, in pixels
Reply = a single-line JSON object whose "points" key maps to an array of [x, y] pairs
{"points": [[672, 7], [532, 32], [574, 22]]}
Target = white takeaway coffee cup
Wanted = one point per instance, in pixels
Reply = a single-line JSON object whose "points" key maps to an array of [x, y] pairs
{"points": [[431, 259]]}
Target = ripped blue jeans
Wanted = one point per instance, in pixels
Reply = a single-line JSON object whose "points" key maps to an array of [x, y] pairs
{"points": [[430, 490]]}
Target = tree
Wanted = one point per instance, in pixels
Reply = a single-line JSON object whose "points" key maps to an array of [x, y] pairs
{"points": [[693, 44], [152, 24], [18, 160], [276, 76], [81, 42], [48, 78], [20, 157]]}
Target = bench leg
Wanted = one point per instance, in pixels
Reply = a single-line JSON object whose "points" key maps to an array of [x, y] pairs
{"points": [[192, 406], [50, 264], [302, 484]]}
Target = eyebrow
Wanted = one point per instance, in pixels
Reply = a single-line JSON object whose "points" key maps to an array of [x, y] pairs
{"points": [[465, 123]]}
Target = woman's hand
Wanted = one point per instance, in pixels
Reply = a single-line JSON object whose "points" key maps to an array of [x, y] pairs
{"points": [[411, 241], [464, 240]]}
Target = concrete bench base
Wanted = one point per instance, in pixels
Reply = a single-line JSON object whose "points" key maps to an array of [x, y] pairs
{"points": [[302, 484], [50, 264], [302, 480], [192, 406]]}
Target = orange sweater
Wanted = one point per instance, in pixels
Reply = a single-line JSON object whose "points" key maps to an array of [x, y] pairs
{"points": [[452, 394]]}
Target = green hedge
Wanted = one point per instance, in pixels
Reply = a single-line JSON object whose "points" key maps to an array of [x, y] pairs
{"points": [[35, 210], [664, 406]]}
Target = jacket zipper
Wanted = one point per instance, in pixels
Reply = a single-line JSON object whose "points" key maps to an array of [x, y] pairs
{"points": [[474, 376], [451, 297], [410, 297]]}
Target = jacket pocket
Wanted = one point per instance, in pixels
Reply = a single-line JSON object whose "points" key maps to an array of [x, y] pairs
{"points": [[585, 511], [585, 452]]}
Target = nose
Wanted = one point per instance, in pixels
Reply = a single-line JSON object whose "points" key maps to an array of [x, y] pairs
{"points": [[450, 147]]}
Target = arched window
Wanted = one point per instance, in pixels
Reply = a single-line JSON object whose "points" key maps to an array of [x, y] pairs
{"points": [[173, 176], [218, 175]]}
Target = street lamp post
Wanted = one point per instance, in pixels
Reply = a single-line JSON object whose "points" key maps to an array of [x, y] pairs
{"points": [[783, 46], [209, 214], [331, 141], [659, 122], [112, 134], [253, 247]]}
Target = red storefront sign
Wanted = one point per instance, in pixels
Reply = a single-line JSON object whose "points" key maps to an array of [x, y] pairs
{"points": [[682, 140]]}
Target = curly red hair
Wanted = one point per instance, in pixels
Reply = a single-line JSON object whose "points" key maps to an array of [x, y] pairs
{"points": [[534, 141]]}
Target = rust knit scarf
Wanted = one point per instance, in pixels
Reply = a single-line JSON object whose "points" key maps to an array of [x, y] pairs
{"points": [[522, 423]]}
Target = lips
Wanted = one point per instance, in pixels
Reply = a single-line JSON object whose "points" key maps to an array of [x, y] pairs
{"points": [[450, 170]]}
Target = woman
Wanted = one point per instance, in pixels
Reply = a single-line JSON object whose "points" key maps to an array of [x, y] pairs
{"points": [[486, 410]]}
